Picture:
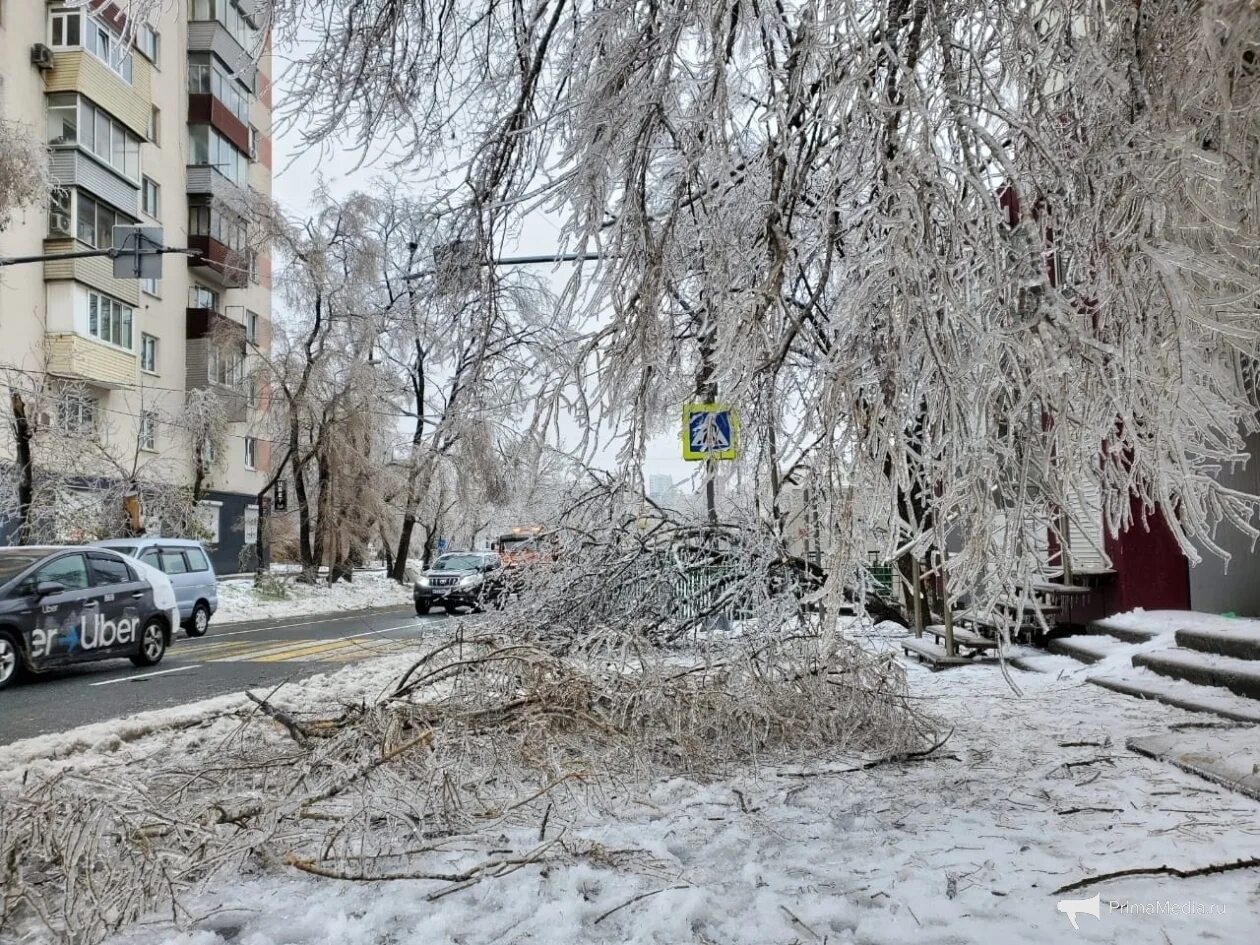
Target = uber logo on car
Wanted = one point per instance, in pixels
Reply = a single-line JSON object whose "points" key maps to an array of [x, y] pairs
{"points": [[62, 606]]}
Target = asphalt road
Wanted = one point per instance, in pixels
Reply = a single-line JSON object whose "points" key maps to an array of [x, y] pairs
{"points": [[229, 658]]}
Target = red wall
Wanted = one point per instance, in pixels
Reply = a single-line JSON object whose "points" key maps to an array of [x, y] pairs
{"points": [[1151, 571]]}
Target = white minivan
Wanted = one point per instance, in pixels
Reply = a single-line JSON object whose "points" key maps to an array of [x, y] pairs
{"points": [[188, 566]]}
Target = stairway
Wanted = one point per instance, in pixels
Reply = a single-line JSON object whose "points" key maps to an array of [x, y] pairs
{"points": [[1194, 661]]}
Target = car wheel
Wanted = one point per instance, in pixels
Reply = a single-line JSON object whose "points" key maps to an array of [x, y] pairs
{"points": [[199, 622], [152, 644], [422, 610], [10, 659]]}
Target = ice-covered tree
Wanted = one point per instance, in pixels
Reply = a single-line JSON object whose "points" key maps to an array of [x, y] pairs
{"points": [[988, 254]]}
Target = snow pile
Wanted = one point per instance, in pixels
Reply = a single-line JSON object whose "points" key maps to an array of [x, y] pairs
{"points": [[480, 741], [285, 597]]}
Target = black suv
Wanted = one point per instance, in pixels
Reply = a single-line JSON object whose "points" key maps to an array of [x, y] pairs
{"points": [[62, 606], [461, 579]]}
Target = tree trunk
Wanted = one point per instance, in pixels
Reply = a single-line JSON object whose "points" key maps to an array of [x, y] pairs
{"points": [[26, 471]]}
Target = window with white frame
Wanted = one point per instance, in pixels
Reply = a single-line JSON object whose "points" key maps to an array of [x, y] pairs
{"points": [[206, 147], [95, 221], [207, 76], [148, 430], [201, 297], [74, 121], [148, 353], [251, 452], [251, 327], [79, 29], [76, 412], [109, 320], [150, 197], [149, 42], [154, 130], [151, 287], [207, 452]]}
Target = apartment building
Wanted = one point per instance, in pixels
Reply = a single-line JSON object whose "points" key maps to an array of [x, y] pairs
{"points": [[160, 124]]}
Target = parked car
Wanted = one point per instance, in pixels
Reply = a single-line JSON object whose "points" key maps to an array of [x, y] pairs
{"points": [[461, 579], [188, 566], [60, 606]]}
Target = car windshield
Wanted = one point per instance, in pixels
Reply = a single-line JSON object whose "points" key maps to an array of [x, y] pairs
{"points": [[458, 562], [15, 562]]}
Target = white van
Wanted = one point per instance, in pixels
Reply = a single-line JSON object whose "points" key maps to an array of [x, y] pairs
{"points": [[188, 566]]}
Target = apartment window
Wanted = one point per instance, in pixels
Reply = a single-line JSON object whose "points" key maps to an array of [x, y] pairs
{"points": [[109, 320], [148, 353], [227, 13], [148, 430], [207, 77], [149, 42], [151, 287], [253, 143], [207, 452], [204, 220], [95, 221], [251, 452], [75, 121], [154, 130], [206, 147], [65, 28], [149, 197], [201, 297], [225, 368], [253, 266], [251, 393], [251, 327], [106, 46], [76, 412]]}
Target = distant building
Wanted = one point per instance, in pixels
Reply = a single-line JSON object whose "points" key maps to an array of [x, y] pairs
{"points": [[661, 489]]}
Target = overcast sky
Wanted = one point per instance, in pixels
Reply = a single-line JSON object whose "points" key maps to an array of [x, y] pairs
{"points": [[297, 172]]}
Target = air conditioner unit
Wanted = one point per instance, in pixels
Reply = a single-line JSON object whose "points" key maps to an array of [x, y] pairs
{"points": [[59, 223], [42, 57]]}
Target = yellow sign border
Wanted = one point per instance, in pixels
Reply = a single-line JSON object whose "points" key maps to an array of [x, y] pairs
{"points": [[692, 456]]}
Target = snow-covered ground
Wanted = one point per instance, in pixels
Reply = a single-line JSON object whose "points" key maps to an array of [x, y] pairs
{"points": [[240, 600], [1032, 792]]}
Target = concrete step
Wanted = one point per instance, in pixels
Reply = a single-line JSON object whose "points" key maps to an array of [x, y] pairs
{"points": [[1183, 695], [1085, 648], [1117, 627], [1205, 669], [1242, 643]]}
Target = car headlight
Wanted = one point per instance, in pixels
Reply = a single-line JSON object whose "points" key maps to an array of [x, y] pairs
{"points": [[471, 581], [423, 582]]}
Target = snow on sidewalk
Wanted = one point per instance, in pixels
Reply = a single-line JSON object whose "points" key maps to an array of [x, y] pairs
{"points": [[1032, 792], [239, 600]]}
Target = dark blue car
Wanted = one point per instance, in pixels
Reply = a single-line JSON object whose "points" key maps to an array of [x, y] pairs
{"points": [[62, 606]]}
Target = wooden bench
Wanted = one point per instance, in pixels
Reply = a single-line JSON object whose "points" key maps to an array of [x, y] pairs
{"points": [[962, 637], [935, 656]]}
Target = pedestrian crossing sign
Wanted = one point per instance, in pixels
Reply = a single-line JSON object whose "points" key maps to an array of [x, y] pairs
{"points": [[709, 432]]}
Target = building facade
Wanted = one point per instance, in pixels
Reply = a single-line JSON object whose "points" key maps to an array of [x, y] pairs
{"points": [[162, 124]]}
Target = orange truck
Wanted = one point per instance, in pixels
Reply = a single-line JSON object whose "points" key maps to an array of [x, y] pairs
{"points": [[522, 545]]}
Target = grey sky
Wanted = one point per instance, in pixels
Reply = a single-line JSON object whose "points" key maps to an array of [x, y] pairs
{"points": [[297, 173]]}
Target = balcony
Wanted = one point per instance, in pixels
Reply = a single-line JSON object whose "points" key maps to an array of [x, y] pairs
{"points": [[213, 37], [214, 356], [80, 71], [97, 272], [73, 168], [205, 109], [219, 262], [94, 362]]}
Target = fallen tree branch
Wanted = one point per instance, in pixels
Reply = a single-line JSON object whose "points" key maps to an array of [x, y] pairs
{"points": [[1247, 864], [638, 898], [291, 725]]}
